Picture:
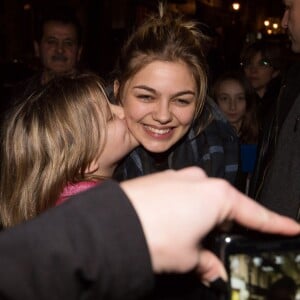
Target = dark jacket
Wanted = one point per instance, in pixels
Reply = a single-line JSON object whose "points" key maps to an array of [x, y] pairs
{"points": [[268, 101], [91, 247], [268, 143], [215, 150]]}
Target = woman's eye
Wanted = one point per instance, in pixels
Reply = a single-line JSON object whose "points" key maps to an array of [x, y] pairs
{"points": [[145, 97], [222, 98], [182, 101]]}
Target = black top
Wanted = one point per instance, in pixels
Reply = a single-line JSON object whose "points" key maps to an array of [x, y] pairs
{"points": [[270, 143], [91, 247]]}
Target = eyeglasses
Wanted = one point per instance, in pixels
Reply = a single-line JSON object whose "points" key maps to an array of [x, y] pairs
{"points": [[263, 63]]}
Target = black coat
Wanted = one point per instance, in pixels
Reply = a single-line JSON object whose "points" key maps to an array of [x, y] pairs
{"points": [[289, 91], [91, 247]]}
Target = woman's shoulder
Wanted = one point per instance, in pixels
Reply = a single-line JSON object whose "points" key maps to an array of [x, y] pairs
{"points": [[72, 189]]}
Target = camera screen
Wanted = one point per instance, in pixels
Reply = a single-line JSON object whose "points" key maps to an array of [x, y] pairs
{"points": [[265, 275]]}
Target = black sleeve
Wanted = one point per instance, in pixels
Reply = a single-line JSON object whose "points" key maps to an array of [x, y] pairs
{"points": [[91, 247]]}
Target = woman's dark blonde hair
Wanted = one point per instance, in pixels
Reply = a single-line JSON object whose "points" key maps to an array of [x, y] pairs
{"points": [[49, 140], [165, 37]]}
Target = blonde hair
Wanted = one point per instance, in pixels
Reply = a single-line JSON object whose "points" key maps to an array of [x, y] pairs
{"points": [[165, 37], [48, 141]]}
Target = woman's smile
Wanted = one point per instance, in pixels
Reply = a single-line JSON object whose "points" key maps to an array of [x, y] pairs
{"points": [[160, 133]]}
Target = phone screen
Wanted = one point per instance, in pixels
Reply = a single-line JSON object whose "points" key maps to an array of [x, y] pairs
{"points": [[263, 269]]}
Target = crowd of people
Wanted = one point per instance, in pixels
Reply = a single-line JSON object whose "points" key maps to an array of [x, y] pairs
{"points": [[155, 155]]}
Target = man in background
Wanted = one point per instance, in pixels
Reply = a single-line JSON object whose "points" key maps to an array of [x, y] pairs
{"points": [[58, 47], [58, 44], [275, 183]]}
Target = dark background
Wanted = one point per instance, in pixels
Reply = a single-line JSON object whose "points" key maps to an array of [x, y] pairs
{"points": [[107, 22]]}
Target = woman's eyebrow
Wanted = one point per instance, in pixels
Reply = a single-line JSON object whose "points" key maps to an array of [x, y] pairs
{"points": [[187, 92], [145, 87], [149, 89]]}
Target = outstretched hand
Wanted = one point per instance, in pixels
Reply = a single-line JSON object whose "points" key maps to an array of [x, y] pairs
{"points": [[178, 209]]}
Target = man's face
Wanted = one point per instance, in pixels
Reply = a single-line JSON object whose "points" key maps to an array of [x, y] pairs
{"points": [[58, 49], [291, 22]]}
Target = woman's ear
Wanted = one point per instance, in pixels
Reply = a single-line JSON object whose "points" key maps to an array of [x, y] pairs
{"points": [[116, 87]]}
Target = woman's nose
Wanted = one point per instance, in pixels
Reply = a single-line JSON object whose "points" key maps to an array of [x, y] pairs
{"points": [[162, 113], [252, 68], [232, 105]]}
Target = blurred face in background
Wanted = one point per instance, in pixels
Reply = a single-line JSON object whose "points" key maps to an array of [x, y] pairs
{"points": [[58, 49], [231, 98], [291, 22], [259, 72]]}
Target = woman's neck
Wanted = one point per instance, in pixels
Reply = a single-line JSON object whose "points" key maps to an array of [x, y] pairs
{"points": [[237, 126], [260, 92]]}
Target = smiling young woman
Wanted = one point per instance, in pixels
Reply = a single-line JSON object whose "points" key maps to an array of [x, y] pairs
{"points": [[161, 82]]}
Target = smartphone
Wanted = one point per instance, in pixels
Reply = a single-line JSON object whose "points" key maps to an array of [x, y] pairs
{"points": [[261, 267]]}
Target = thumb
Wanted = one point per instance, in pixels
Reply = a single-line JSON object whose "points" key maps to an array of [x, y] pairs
{"points": [[210, 267]]}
